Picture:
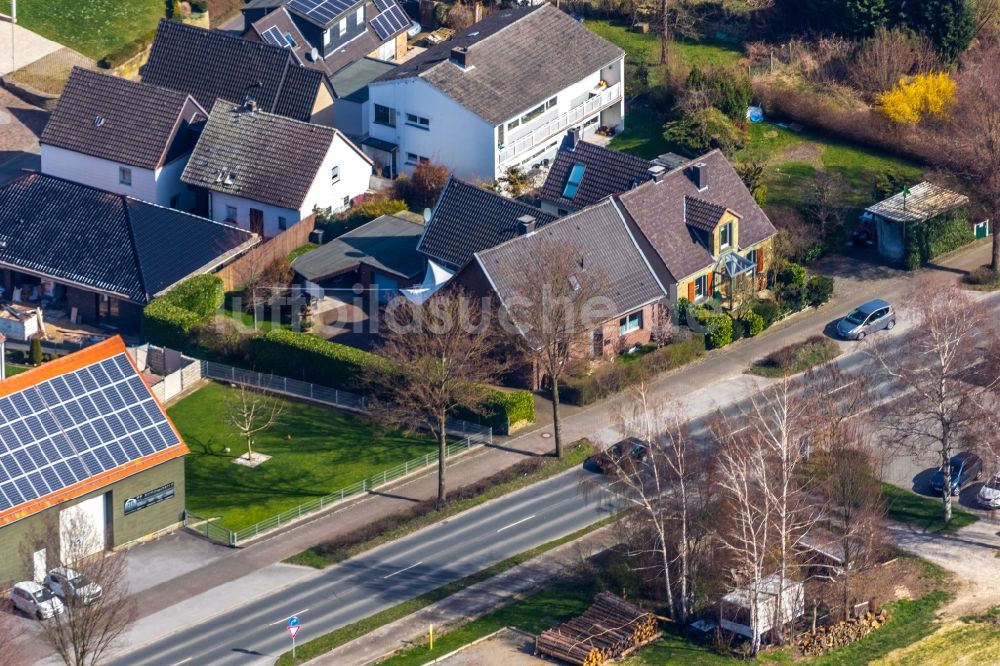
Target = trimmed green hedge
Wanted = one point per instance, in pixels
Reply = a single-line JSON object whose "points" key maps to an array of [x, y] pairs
{"points": [[507, 410], [311, 359], [202, 295], [934, 237], [169, 319], [619, 376]]}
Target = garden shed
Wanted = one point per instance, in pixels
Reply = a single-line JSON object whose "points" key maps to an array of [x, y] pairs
{"points": [[737, 613], [916, 205]]}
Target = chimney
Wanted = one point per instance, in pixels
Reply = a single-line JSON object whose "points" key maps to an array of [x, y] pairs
{"points": [[477, 10], [656, 172], [525, 225], [699, 173], [573, 137], [460, 56], [250, 104]]}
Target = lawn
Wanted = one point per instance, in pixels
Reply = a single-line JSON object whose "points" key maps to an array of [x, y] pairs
{"points": [[92, 27], [796, 358], [244, 318], [977, 641], [14, 369], [643, 134], [908, 507], [315, 451], [640, 47]]}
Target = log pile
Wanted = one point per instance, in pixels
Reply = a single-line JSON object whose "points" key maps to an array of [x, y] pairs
{"points": [[840, 634], [608, 629]]}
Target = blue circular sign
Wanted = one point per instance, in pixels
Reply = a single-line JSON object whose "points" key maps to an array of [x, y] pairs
{"points": [[293, 621]]}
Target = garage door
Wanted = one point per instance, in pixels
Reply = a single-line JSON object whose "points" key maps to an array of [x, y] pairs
{"points": [[82, 529]]}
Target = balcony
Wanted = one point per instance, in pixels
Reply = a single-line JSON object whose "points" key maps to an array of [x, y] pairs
{"points": [[608, 96]]}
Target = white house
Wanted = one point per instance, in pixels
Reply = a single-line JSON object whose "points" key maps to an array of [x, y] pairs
{"points": [[499, 94], [265, 172], [122, 136]]}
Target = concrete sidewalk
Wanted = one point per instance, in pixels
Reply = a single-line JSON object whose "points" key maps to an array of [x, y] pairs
{"points": [[20, 47], [717, 380]]}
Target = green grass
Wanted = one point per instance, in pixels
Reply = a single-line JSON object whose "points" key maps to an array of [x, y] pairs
{"points": [[796, 358], [245, 318], [908, 507], [645, 48], [315, 451], [319, 557], [92, 27], [643, 135], [298, 252], [338, 637], [14, 369]]}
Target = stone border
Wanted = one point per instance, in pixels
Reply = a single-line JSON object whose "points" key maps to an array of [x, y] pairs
{"points": [[30, 95]]}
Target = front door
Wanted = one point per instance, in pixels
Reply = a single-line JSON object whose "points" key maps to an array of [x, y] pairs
{"points": [[257, 221]]}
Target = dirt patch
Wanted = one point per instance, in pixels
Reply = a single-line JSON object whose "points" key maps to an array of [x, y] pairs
{"points": [[507, 647], [49, 74], [899, 578], [803, 152]]}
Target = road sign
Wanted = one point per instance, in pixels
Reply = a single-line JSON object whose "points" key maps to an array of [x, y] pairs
{"points": [[293, 621], [293, 629]]}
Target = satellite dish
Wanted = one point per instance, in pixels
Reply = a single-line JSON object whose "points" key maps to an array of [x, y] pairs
{"points": [[314, 54], [427, 214]]}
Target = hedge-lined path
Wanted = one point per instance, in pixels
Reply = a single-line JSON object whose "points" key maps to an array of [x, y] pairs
{"points": [[716, 380]]}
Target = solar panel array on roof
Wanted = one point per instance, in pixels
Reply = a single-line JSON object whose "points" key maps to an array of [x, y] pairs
{"points": [[321, 11], [390, 21], [273, 36], [75, 426], [383, 5]]}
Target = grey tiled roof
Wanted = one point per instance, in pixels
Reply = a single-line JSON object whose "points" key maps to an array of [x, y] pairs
{"points": [[210, 64], [657, 210], [702, 214], [605, 172], [600, 236], [468, 219], [387, 243], [119, 120], [272, 159], [106, 241], [518, 57]]}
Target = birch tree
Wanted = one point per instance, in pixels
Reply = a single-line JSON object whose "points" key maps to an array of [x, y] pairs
{"points": [[251, 412]]}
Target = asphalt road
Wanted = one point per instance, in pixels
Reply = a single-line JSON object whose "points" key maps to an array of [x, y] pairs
{"points": [[378, 579]]}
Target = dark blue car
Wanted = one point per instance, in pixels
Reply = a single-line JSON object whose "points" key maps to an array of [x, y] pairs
{"points": [[965, 468]]}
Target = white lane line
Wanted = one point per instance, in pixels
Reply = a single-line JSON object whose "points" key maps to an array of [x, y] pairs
{"points": [[284, 620], [505, 527], [182, 661], [402, 570]]}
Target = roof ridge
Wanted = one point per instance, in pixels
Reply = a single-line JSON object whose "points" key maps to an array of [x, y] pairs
{"points": [[135, 246], [281, 118], [550, 225], [520, 204]]}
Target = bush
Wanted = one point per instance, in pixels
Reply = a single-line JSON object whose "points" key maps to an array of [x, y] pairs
{"points": [[754, 323], [202, 295], [311, 359], [168, 325], [984, 275], [505, 411], [727, 90], [422, 189], [935, 237], [126, 52], [720, 331], [36, 349], [740, 329], [365, 208], [704, 130], [819, 290], [792, 273], [768, 311], [792, 297], [681, 309], [797, 357]]}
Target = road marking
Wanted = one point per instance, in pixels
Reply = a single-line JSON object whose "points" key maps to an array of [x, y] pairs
{"points": [[516, 523], [284, 620], [183, 661], [402, 570]]}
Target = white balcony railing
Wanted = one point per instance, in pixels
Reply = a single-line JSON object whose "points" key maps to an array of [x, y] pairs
{"points": [[542, 133]]}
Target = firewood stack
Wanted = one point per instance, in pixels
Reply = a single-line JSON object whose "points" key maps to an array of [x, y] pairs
{"points": [[608, 629], [840, 634]]}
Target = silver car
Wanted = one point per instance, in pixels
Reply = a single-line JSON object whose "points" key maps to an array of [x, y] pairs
{"points": [[32, 599], [872, 316], [989, 494], [72, 586]]}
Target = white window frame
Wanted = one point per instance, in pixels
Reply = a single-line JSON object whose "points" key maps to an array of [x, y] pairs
{"points": [[231, 213], [630, 323], [335, 174], [418, 121], [343, 26], [414, 159], [700, 287], [359, 16], [125, 176], [326, 38], [392, 115], [728, 229]]}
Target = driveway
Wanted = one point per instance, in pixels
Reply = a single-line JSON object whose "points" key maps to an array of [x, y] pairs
{"points": [[20, 126]]}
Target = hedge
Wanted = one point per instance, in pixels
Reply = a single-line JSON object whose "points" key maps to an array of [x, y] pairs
{"points": [[619, 376], [507, 410], [202, 295], [934, 237], [311, 359], [167, 325]]}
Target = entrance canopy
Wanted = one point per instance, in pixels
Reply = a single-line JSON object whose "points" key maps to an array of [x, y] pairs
{"points": [[732, 265]]}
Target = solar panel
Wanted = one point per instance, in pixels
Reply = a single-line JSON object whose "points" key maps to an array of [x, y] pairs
{"points": [[390, 21], [273, 36], [383, 5], [321, 11], [74, 426]]}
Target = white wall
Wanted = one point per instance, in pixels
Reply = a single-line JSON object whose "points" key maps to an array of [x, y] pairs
{"points": [[457, 138], [100, 173], [351, 118], [219, 201], [168, 184]]}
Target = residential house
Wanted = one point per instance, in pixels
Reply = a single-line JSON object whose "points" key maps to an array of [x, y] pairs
{"points": [[887, 220], [499, 94], [702, 230], [350, 87], [467, 219], [584, 173], [212, 64], [122, 136], [608, 250], [100, 257], [265, 172], [331, 34]]}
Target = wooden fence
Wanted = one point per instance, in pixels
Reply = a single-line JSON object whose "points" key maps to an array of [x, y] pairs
{"points": [[263, 255]]}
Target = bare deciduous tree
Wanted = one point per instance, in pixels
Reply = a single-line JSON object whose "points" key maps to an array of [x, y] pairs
{"points": [[560, 298], [93, 623], [251, 412], [946, 372], [441, 357]]}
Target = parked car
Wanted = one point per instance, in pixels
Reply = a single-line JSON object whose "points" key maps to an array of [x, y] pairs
{"points": [[867, 318], [72, 586], [32, 599], [989, 494], [414, 30], [966, 467], [619, 453]]}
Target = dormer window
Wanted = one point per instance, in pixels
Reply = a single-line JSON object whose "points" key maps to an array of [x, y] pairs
{"points": [[725, 235]]}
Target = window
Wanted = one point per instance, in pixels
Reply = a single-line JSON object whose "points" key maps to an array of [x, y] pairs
{"points": [[347, 201], [562, 212], [574, 180], [290, 40], [359, 18], [752, 258], [230, 213], [726, 235], [335, 173], [413, 158], [513, 124], [343, 26], [414, 120], [282, 222], [124, 175], [175, 201], [629, 323], [326, 38], [385, 115], [701, 287], [552, 102], [500, 136]]}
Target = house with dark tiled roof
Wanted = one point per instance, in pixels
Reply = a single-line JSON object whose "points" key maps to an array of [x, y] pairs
{"points": [[605, 245], [122, 136], [499, 94], [99, 256], [212, 64], [701, 230], [264, 172], [330, 34], [584, 173]]}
